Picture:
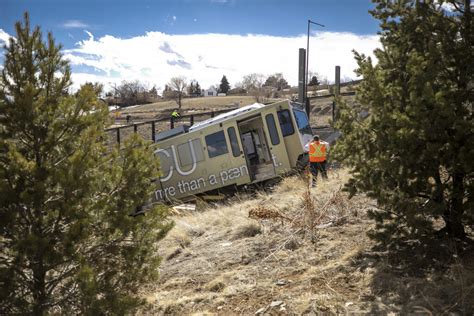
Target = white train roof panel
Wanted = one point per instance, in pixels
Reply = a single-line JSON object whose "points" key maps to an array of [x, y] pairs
{"points": [[225, 116]]}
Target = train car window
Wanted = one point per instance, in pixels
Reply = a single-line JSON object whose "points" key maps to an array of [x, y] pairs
{"points": [[216, 144], [272, 129], [234, 143], [302, 122], [286, 124], [185, 155]]}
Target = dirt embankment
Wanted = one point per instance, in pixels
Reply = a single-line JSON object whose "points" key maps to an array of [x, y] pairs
{"points": [[218, 260]]}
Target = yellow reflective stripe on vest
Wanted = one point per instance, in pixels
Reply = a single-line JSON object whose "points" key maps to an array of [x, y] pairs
{"points": [[318, 150]]}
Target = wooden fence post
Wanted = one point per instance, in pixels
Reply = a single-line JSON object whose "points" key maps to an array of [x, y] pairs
{"points": [[153, 131], [118, 136]]}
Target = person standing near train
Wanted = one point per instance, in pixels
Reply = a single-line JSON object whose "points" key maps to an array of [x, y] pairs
{"points": [[317, 150]]}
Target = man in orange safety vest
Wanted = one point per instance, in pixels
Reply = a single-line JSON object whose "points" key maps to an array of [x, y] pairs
{"points": [[317, 151]]}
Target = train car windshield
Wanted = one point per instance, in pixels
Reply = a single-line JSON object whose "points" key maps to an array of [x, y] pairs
{"points": [[302, 122]]}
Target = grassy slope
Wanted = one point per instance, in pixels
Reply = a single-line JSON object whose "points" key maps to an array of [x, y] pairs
{"points": [[218, 260], [321, 113], [190, 104], [321, 108]]}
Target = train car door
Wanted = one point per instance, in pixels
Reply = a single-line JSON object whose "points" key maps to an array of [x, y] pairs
{"points": [[239, 161], [256, 149], [277, 148]]}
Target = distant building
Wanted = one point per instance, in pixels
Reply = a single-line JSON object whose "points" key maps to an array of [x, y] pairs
{"points": [[211, 92]]}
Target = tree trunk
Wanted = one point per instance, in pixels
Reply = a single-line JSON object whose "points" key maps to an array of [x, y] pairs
{"points": [[39, 286], [454, 225]]}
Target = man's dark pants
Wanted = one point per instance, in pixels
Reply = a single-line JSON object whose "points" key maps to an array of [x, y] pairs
{"points": [[314, 167]]}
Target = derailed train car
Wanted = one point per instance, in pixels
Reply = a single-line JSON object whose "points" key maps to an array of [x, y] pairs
{"points": [[251, 144]]}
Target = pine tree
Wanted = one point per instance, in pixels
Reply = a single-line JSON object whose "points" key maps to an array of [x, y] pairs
{"points": [[314, 81], [276, 81], [67, 243], [153, 92], [224, 87], [414, 153], [191, 89], [197, 89], [194, 89]]}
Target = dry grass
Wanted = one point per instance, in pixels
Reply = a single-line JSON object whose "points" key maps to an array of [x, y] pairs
{"points": [[220, 261], [247, 230], [321, 110], [189, 105]]}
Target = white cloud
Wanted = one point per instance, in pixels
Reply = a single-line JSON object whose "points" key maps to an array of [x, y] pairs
{"points": [[174, 17], [91, 37], [74, 24], [224, 2], [4, 36], [448, 6], [156, 57], [195, 20]]}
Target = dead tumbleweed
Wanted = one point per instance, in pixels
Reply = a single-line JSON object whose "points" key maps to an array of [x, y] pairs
{"points": [[262, 212]]}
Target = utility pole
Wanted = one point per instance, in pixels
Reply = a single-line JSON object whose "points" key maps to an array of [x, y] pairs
{"points": [[307, 104], [302, 76], [338, 81], [337, 91]]}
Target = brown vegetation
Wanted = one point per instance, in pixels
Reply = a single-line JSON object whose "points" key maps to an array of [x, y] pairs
{"points": [[189, 105], [221, 261]]}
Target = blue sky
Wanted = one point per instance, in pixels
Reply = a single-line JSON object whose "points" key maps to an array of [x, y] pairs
{"points": [[190, 37]]}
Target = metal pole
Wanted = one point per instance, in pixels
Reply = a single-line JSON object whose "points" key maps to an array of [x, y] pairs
{"points": [[307, 57], [337, 91], [301, 75], [338, 81], [307, 60]]}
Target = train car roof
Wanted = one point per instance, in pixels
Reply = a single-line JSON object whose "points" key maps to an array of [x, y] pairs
{"points": [[218, 119], [225, 116]]}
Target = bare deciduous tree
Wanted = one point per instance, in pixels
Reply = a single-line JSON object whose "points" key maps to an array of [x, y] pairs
{"points": [[130, 93], [178, 85], [253, 83]]}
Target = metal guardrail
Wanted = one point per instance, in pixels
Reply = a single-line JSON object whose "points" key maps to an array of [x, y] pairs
{"points": [[190, 117], [332, 95]]}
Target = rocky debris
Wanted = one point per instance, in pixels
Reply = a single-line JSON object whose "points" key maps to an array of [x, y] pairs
{"points": [[281, 282], [272, 305], [276, 303]]}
